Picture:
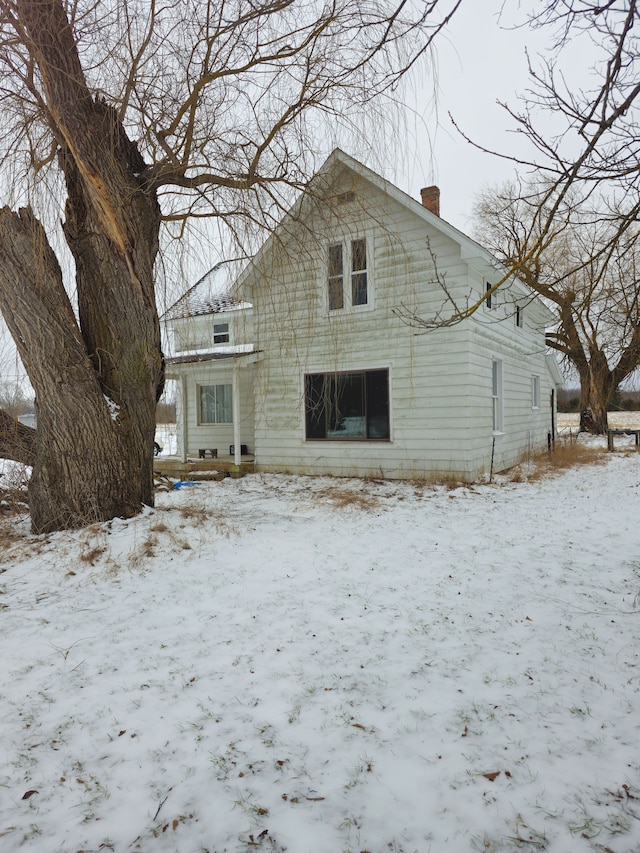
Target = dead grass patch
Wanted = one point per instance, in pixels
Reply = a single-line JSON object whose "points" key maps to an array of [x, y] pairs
{"points": [[566, 455], [342, 498], [13, 542], [91, 555], [200, 516]]}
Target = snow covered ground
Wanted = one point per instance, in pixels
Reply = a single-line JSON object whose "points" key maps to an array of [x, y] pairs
{"points": [[321, 666]]}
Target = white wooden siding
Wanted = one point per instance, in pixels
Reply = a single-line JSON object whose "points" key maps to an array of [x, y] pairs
{"points": [[428, 374], [440, 383]]}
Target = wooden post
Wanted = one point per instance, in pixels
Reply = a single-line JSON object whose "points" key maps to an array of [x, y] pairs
{"points": [[237, 454], [183, 450], [610, 439]]}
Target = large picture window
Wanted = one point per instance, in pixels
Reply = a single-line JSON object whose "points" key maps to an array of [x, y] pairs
{"points": [[216, 404], [347, 406]]}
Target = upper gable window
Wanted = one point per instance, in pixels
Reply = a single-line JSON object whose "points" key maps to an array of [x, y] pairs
{"points": [[336, 277], [519, 317], [347, 274]]}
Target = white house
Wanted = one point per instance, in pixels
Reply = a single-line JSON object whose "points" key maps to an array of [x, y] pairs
{"points": [[311, 362]]}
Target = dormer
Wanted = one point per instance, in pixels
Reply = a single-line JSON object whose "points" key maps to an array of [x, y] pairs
{"points": [[203, 321]]}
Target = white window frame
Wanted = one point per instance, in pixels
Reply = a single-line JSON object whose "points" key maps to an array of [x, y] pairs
{"points": [[346, 242], [535, 392], [497, 396], [222, 335], [490, 300], [215, 385]]}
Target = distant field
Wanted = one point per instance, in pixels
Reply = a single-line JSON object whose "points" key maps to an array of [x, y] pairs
{"points": [[617, 420]]}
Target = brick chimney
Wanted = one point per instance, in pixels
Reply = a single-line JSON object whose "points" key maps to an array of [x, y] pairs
{"points": [[431, 199]]}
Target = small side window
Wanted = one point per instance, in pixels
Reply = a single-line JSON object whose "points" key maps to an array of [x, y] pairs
{"points": [[519, 317], [496, 393], [221, 333], [535, 392], [490, 300]]}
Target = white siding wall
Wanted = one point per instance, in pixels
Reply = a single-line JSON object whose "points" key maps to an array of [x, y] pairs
{"points": [[429, 374], [521, 351], [197, 332], [440, 383]]}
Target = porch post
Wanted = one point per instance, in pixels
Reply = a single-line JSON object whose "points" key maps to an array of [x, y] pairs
{"points": [[237, 456], [182, 451]]}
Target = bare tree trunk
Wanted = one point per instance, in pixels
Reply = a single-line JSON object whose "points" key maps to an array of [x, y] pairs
{"points": [[593, 417], [81, 472], [97, 377], [596, 389]]}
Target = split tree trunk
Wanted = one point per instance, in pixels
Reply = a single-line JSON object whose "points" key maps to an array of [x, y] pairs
{"points": [[596, 390], [82, 469], [96, 377]]}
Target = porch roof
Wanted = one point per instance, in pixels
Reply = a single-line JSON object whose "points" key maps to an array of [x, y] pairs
{"points": [[197, 357]]}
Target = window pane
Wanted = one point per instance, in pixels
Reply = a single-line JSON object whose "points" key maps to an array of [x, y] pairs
{"points": [[496, 369], [335, 260], [207, 404], [492, 299], [358, 255], [336, 291], [336, 294], [359, 288], [359, 272], [221, 333], [224, 404], [535, 392], [346, 406], [315, 406], [378, 404]]}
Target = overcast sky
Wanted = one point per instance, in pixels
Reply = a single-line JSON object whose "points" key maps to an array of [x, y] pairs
{"points": [[479, 63]]}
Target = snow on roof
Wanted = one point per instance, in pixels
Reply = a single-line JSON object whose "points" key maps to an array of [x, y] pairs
{"points": [[209, 295]]}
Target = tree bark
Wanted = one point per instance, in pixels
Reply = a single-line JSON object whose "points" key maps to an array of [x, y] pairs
{"points": [[79, 475], [597, 385], [17, 441], [96, 377]]}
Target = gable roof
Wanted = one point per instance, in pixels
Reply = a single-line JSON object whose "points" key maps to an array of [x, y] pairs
{"points": [[320, 184], [207, 296]]}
